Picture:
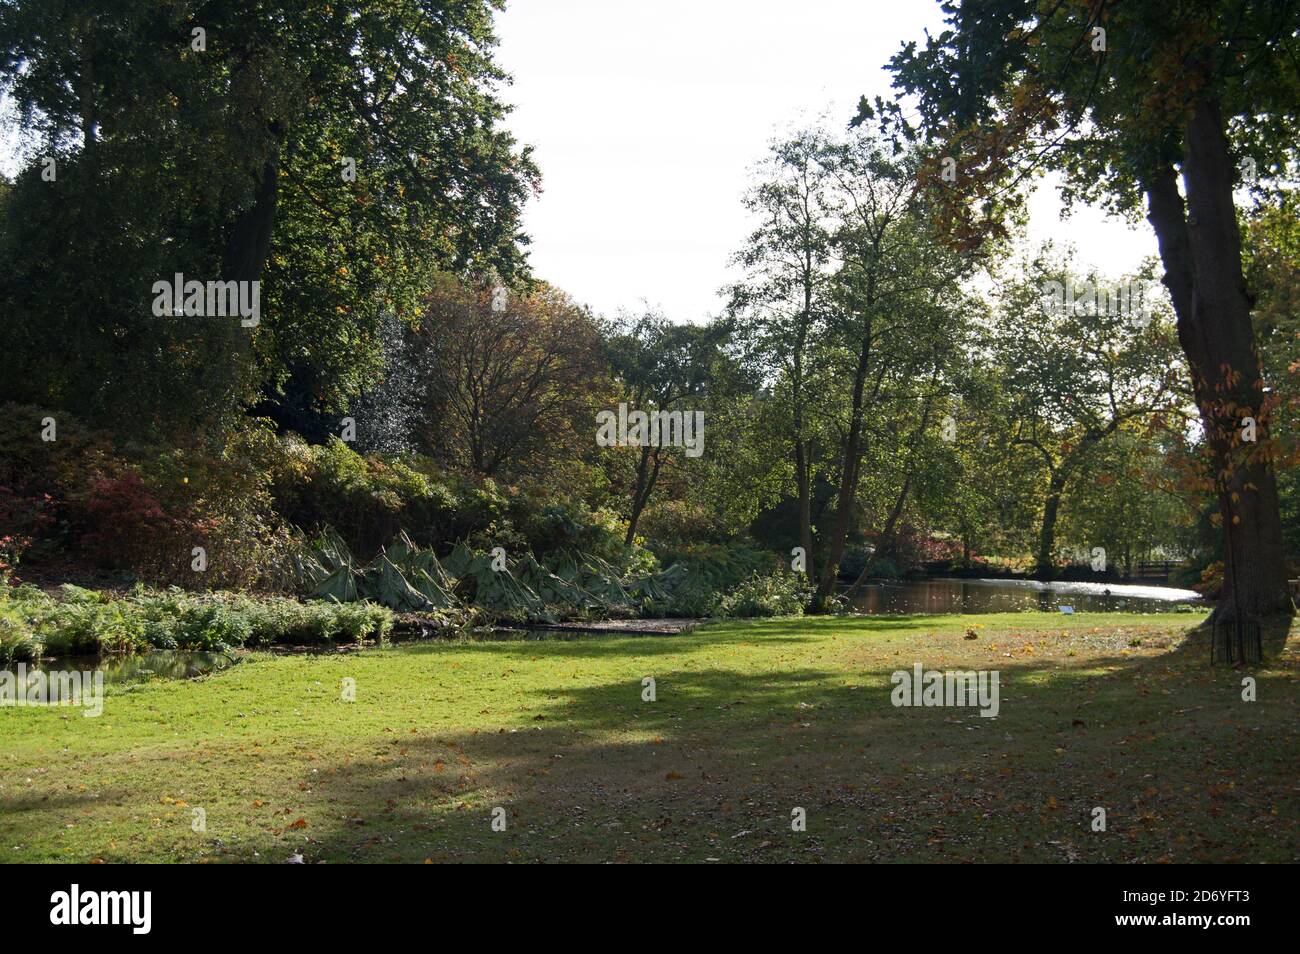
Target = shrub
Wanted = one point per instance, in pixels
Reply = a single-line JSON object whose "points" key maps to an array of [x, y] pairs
{"points": [[780, 594], [241, 620], [88, 628], [140, 507], [11, 550], [18, 642], [23, 519], [705, 572], [673, 520], [33, 467], [84, 622], [1211, 581], [219, 491], [369, 500], [913, 547], [362, 621], [124, 526], [553, 529]]}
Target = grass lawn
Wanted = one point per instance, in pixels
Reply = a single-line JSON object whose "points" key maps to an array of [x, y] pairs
{"points": [[752, 719]]}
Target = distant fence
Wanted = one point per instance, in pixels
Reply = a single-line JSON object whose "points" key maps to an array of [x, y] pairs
{"points": [[1154, 568]]}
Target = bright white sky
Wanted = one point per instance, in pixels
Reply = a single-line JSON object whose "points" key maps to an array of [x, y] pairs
{"points": [[647, 117]]}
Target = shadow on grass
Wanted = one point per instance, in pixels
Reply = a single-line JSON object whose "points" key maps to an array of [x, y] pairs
{"points": [[602, 645], [1275, 631], [1185, 769]]}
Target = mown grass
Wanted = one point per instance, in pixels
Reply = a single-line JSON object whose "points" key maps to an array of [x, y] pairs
{"points": [[752, 719]]}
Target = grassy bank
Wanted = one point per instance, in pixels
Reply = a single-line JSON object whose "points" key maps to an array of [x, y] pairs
{"points": [[752, 719]]}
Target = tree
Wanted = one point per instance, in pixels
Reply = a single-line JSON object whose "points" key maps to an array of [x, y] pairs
{"points": [[666, 368], [1076, 371], [1119, 502], [1272, 249], [897, 306], [337, 153], [1124, 99], [900, 471], [850, 310], [982, 491], [513, 380], [783, 305]]}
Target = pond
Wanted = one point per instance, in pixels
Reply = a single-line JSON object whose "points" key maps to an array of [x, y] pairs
{"points": [[161, 664], [1011, 596]]}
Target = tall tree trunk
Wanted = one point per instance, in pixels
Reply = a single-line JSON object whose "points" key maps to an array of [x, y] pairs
{"points": [[1201, 250], [848, 489], [249, 241], [887, 533], [248, 245], [802, 446], [646, 476], [803, 479], [886, 536], [1047, 529]]}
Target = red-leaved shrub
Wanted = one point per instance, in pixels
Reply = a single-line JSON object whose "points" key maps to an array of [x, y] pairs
{"points": [[124, 526]]}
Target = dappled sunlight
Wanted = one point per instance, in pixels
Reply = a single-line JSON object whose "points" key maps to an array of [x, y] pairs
{"points": [[851, 753], [782, 714]]}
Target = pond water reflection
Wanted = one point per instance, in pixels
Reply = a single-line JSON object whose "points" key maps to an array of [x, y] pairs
{"points": [[162, 664], [1011, 596]]}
